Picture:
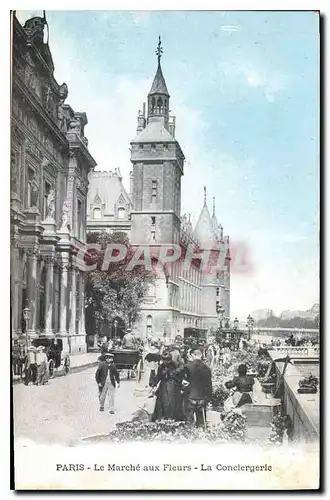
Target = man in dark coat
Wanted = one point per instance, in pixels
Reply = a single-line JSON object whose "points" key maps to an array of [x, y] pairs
{"points": [[107, 378], [199, 388]]}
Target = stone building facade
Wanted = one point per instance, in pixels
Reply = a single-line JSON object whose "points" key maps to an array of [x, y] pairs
{"points": [[50, 164], [184, 296]]}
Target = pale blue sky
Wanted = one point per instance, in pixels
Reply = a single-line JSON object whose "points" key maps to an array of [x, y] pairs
{"points": [[244, 88]]}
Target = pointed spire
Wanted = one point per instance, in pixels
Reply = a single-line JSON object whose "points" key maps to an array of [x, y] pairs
{"points": [[159, 84], [204, 196]]}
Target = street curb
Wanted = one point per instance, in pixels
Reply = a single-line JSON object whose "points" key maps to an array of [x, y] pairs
{"points": [[74, 369]]}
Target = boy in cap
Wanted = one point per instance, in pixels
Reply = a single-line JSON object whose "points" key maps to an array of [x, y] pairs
{"points": [[107, 378]]}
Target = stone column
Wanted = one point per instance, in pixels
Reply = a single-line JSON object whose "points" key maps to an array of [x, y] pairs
{"points": [[15, 273], [32, 289], [49, 262], [73, 303], [63, 296], [82, 330]]}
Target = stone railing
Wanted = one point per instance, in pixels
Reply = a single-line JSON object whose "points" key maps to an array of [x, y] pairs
{"points": [[303, 409]]}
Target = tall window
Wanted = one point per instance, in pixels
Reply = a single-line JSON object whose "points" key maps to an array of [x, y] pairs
{"points": [[218, 291], [47, 188], [30, 187], [149, 326], [153, 191]]}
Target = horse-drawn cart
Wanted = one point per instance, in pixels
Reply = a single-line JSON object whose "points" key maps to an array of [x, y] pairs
{"points": [[130, 360]]}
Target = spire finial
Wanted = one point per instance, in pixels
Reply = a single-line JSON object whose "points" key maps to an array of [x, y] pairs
{"points": [[213, 206], [159, 50], [204, 196]]}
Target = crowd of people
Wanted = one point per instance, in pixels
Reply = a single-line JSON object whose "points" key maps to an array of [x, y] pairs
{"points": [[178, 375], [30, 364]]}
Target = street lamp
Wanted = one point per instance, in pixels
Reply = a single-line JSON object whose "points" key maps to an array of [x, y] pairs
{"points": [[250, 324], [220, 313], [236, 322], [115, 324], [27, 317]]}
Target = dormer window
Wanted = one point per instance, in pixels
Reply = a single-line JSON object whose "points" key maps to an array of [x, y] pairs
{"points": [[121, 213], [97, 213]]}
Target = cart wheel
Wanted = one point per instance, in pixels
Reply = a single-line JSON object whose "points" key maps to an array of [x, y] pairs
{"points": [[51, 368], [66, 364]]}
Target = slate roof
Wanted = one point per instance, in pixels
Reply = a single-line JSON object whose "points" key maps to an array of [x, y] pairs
{"points": [[154, 132], [159, 84]]}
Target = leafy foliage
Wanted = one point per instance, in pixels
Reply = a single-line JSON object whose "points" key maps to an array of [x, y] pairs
{"points": [[116, 291], [232, 428], [279, 426]]}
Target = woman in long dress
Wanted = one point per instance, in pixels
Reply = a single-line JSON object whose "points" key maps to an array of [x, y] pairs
{"points": [[169, 397], [42, 366]]}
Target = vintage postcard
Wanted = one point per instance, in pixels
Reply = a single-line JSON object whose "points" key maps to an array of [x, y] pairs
{"points": [[164, 210]]}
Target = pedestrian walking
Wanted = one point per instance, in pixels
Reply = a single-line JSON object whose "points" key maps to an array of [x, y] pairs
{"points": [[199, 388], [42, 366], [107, 378], [30, 366]]}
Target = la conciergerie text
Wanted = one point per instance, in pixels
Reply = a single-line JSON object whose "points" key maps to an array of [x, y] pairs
{"points": [[163, 468]]}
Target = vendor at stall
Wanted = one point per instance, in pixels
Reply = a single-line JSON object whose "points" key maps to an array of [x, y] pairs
{"points": [[243, 384]]}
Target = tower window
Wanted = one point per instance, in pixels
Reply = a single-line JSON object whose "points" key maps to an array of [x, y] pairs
{"points": [[218, 292], [159, 105], [153, 220], [153, 191]]}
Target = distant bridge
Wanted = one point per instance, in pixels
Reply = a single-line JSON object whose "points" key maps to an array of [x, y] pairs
{"points": [[279, 330]]}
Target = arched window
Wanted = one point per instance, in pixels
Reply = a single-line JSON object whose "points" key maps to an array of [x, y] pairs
{"points": [[153, 105], [121, 213], [97, 213], [159, 105], [149, 325]]}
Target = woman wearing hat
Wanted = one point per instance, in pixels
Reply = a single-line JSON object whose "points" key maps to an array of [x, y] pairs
{"points": [[168, 392], [42, 366], [243, 385]]}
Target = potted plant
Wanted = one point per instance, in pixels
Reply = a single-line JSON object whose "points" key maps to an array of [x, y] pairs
{"points": [[308, 385]]}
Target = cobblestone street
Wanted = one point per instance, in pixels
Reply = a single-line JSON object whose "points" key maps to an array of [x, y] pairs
{"points": [[67, 409]]}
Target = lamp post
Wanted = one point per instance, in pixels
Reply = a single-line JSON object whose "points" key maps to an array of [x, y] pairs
{"points": [[115, 324], [250, 324], [235, 322], [27, 317]]}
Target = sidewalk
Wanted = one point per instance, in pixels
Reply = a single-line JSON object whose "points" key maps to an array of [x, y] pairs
{"points": [[82, 361], [78, 362]]}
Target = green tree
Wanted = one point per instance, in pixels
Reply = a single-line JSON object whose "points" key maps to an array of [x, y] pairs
{"points": [[116, 291]]}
